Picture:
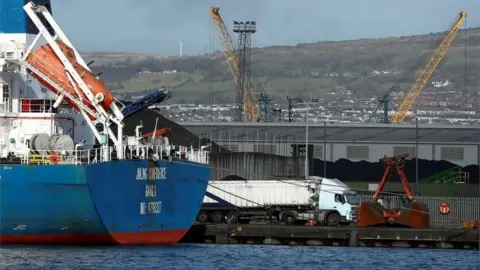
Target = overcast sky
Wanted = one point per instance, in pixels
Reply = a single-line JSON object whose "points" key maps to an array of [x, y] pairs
{"points": [[158, 26]]}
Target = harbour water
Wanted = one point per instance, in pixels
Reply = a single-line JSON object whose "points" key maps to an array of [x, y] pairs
{"points": [[185, 256]]}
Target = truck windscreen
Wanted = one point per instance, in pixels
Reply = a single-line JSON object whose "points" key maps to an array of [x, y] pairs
{"points": [[351, 199]]}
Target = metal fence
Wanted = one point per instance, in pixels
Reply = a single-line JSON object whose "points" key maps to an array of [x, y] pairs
{"points": [[461, 209]]}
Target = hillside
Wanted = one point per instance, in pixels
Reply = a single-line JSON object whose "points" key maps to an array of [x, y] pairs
{"points": [[366, 67], [110, 58]]}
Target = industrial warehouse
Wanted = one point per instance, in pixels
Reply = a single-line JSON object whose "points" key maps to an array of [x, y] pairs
{"points": [[370, 142], [458, 145]]}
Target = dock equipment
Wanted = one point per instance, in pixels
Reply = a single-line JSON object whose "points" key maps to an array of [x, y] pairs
{"points": [[155, 96], [453, 175], [412, 213]]}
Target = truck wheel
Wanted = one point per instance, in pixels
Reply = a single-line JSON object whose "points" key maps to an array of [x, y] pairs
{"points": [[333, 219], [202, 217], [217, 217], [289, 218], [232, 217]]}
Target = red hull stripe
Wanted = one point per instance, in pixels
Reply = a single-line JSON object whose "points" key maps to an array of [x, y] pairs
{"points": [[153, 238], [130, 238]]}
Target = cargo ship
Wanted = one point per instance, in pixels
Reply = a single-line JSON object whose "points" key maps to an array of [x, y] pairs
{"points": [[68, 174]]}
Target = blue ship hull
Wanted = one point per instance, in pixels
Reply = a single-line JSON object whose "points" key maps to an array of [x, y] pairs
{"points": [[119, 202]]}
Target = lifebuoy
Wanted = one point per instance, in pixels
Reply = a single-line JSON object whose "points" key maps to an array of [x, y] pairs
{"points": [[54, 157], [444, 208]]}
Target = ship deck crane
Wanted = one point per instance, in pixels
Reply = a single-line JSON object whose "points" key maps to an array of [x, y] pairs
{"points": [[250, 108], [100, 114], [410, 98]]}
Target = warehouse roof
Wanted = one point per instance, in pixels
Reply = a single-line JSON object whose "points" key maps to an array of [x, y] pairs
{"points": [[454, 134]]}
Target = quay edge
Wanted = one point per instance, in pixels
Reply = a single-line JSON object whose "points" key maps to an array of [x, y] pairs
{"points": [[333, 236]]}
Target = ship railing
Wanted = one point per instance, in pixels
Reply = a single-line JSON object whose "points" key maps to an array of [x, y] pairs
{"points": [[36, 105], [106, 153], [167, 151], [75, 157]]}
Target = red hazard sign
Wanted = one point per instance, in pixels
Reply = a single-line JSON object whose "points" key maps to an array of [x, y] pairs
{"points": [[444, 208]]}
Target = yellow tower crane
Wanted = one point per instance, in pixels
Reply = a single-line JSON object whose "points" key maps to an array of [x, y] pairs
{"points": [[424, 76], [250, 107]]}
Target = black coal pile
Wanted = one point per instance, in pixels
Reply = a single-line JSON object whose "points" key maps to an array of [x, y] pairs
{"points": [[233, 177], [346, 170], [180, 135]]}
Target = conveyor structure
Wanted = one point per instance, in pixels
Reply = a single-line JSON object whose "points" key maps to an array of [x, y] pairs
{"points": [[154, 97]]}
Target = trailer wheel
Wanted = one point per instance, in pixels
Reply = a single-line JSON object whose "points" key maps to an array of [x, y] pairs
{"points": [[232, 217], [333, 219], [289, 218], [202, 217], [217, 217]]}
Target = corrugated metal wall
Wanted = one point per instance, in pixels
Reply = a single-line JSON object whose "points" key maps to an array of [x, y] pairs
{"points": [[267, 142], [462, 155], [461, 209], [271, 141], [255, 166]]}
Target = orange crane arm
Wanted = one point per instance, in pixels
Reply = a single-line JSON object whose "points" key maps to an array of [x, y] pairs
{"points": [[250, 108], [424, 76]]}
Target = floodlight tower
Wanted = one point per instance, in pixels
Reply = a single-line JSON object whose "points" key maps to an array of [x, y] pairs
{"points": [[244, 31]]}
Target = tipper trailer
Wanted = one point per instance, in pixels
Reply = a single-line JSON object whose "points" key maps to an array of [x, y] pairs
{"points": [[322, 200]]}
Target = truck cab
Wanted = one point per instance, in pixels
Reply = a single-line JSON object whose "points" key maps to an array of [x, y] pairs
{"points": [[334, 202]]}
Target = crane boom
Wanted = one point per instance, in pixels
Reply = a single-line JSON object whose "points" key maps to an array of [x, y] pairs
{"points": [[250, 109], [424, 76], [226, 42]]}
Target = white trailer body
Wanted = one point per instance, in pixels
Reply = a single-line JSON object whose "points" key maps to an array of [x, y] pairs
{"points": [[319, 199], [261, 193]]}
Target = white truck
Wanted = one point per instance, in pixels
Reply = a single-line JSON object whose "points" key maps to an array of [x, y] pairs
{"points": [[325, 201]]}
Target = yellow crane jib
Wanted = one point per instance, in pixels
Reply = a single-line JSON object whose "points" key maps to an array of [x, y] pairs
{"points": [[426, 73], [250, 108], [225, 41]]}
